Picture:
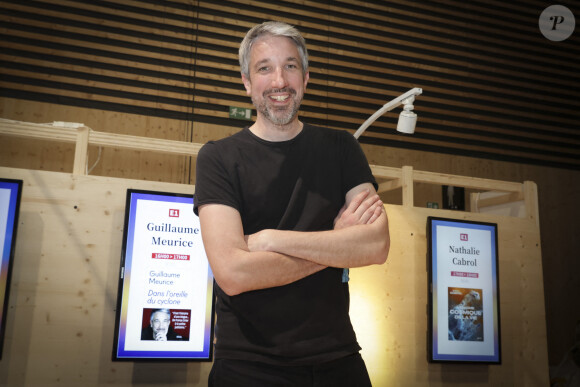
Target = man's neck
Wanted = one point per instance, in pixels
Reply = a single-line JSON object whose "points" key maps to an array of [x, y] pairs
{"points": [[268, 131]]}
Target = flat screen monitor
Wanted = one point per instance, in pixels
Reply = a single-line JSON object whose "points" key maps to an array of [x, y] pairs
{"points": [[463, 291], [165, 304], [10, 194]]}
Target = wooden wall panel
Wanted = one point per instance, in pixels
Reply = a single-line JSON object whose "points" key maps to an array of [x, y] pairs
{"points": [[559, 213], [63, 294], [60, 321], [55, 156], [500, 101], [392, 329], [494, 87]]}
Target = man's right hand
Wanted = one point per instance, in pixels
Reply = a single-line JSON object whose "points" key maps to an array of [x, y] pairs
{"points": [[361, 210]]}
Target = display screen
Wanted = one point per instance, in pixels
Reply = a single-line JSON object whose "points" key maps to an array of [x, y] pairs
{"points": [[166, 299], [10, 193], [464, 293]]}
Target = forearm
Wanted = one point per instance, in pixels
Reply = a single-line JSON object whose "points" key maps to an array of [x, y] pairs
{"points": [[248, 271], [355, 246], [237, 269]]}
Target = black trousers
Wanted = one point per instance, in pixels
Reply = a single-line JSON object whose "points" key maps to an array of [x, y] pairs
{"points": [[346, 372]]}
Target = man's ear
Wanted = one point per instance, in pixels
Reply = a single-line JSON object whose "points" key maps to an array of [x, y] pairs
{"points": [[306, 79], [247, 84]]}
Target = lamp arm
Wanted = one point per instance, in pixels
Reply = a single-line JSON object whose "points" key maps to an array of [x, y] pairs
{"points": [[386, 107]]}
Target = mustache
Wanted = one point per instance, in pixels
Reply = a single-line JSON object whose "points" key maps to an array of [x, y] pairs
{"points": [[284, 90]]}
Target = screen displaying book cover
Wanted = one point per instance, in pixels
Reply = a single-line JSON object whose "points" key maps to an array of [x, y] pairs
{"points": [[464, 292], [10, 194], [166, 300]]}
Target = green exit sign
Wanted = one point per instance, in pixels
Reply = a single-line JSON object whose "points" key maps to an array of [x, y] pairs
{"points": [[240, 113]]}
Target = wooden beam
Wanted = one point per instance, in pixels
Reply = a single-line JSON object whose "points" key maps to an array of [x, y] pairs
{"points": [[531, 201], [81, 151], [404, 177], [497, 200], [67, 132], [467, 182], [389, 185], [407, 180], [37, 131], [386, 172], [144, 143]]}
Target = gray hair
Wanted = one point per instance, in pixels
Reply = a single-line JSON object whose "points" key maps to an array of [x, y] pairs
{"points": [[275, 29], [164, 311]]}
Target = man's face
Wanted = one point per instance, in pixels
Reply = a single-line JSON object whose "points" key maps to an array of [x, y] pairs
{"points": [[276, 82], [160, 323]]}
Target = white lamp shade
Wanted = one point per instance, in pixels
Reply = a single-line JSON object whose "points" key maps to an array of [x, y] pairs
{"points": [[407, 122]]}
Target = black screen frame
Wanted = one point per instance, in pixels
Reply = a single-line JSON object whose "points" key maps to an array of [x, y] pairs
{"points": [[8, 252], [433, 345], [119, 354]]}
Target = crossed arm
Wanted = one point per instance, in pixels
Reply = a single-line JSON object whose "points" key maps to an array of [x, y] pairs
{"points": [[276, 257]]}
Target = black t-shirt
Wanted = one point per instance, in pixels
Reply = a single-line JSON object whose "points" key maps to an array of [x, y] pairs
{"points": [[298, 185]]}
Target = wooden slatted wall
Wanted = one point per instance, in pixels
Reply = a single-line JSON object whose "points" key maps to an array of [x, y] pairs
{"points": [[494, 86]]}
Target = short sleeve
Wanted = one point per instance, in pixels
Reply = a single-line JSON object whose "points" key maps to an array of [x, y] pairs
{"points": [[214, 182], [356, 169]]}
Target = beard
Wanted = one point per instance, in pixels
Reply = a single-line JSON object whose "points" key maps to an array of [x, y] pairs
{"points": [[278, 115]]}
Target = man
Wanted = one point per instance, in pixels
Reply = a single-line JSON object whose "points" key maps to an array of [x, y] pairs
{"points": [[284, 207], [159, 328]]}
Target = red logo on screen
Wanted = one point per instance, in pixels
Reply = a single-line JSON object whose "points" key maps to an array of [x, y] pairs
{"points": [[463, 237], [174, 213]]}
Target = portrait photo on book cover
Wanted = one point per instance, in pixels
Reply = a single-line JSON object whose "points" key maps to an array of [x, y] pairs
{"points": [[165, 324]]}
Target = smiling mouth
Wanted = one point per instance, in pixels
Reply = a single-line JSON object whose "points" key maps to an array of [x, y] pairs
{"points": [[279, 95]]}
